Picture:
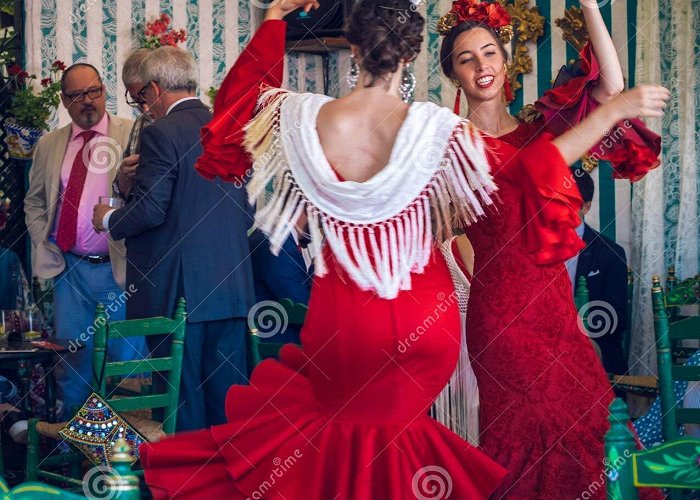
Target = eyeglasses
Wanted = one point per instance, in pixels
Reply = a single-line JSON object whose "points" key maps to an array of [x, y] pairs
{"points": [[134, 103], [141, 94], [80, 96]]}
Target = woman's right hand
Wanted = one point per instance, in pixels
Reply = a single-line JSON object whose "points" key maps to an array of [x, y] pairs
{"points": [[642, 101], [277, 9]]}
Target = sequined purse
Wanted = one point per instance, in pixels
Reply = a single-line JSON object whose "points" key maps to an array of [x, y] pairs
{"points": [[95, 429]]}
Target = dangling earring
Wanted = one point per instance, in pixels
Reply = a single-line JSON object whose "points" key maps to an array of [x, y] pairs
{"points": [[354, 74], [507, 89], [408, 83], [456, 83]]}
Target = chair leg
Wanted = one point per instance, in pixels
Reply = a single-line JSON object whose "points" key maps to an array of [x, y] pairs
{"points": [[33, 443]]}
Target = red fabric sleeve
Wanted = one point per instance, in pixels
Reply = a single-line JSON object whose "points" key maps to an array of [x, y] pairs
{"points": [[260, 64], [550, 199], [630, 147]]}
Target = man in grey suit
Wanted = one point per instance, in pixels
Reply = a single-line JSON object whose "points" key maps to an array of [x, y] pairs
{"points": [[186, 236], [73, 166]]}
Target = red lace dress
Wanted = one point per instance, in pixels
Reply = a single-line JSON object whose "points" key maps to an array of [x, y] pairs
{"points": [[544, 393]]}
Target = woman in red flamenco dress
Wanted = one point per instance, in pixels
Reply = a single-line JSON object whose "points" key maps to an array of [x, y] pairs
{"points": [[544, 393], [347, 416]]}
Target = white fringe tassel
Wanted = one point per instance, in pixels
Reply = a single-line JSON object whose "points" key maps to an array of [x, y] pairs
{"points": [[398, 246]]}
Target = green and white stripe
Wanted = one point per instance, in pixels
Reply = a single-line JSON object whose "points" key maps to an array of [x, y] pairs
{"points": [[218, 29]]}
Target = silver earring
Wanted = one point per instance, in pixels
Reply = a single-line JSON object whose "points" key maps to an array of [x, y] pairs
{"points": [[354, 74], [408, 83]]}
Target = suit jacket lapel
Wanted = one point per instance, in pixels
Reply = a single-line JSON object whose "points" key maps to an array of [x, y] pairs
{"points": [[115, 130], [58, 151]]}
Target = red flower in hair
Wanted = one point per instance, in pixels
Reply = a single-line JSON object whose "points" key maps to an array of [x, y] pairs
{"points": [[493, 14]]}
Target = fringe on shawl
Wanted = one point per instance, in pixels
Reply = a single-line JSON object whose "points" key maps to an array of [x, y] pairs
{"points": [[457, 406], [381, 256]]}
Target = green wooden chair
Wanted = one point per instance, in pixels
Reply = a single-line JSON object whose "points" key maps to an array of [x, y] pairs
{"points": [[581, 294], [674, 465], [133, 408], [581, 298], [259, 349], [686, 293], [117, 483]]}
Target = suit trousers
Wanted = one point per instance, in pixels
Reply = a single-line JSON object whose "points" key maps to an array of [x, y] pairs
{"points": [[214, 359], [77, 291]]}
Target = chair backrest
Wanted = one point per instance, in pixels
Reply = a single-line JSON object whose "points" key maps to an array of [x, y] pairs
{"points": [[673, 464], [667, 332], [581, 294], [257, 349], [172, 365]]}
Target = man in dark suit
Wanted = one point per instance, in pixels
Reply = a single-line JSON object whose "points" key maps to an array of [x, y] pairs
{"points": [[186, 236], [604, 265], [276, 277]]}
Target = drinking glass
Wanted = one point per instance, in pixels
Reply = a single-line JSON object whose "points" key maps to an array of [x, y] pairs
{"points": [[112, 202]]}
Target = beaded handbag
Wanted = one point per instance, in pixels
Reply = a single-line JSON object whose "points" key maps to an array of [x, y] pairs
{"points": [[95, 429]]}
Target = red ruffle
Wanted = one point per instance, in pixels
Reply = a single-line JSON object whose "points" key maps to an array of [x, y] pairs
{"points": [[260, 64], [550, 201], [279, 444], [630, 147]]}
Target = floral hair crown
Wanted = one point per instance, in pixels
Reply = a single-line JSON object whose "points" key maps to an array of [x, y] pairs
{"points": [[490, 14]]}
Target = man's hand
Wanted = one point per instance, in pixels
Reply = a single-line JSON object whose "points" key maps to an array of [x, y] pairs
{"points": [[128, 167], [98, 214]]}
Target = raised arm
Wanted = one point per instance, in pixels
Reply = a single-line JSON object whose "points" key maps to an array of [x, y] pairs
{"points": [[641, 101], [610, 81], [261, 64]]}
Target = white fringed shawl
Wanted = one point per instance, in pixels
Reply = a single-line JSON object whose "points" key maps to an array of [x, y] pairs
{"points": [[457, 406], [380, 230]]}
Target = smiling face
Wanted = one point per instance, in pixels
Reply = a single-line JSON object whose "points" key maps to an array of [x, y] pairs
{"points": [[479, 65]]}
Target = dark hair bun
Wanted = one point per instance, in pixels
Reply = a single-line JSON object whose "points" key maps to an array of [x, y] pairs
{"points": [[386, 32]]}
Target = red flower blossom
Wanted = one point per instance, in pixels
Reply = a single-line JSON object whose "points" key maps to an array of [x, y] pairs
{"points": [[46, 82], [58, 66], [15, 69], [493, 14]]}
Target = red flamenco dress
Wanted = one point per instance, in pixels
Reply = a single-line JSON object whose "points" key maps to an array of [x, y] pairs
{"points": [[544, 393], [347, 416]]}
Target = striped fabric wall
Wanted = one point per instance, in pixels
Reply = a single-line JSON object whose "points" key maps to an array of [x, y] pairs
{"points": [[102, 32]]}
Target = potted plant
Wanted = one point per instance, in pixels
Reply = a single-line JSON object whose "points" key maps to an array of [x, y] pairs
{"points": [[30, 108]]}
